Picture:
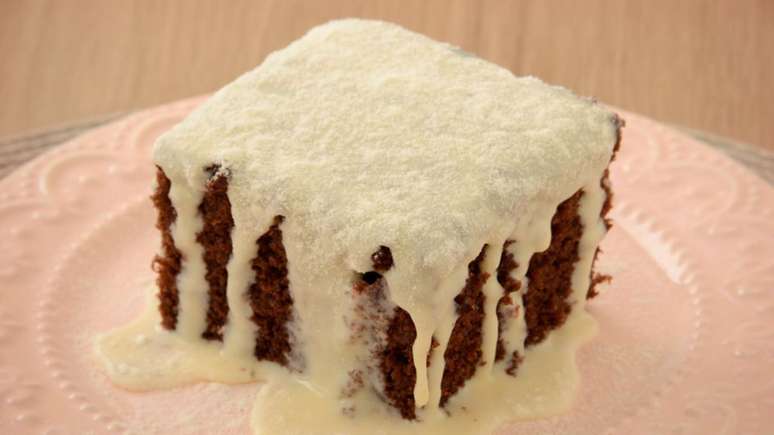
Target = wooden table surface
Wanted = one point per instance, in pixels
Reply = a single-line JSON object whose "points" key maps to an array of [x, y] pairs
{"points": [[702, 64]]}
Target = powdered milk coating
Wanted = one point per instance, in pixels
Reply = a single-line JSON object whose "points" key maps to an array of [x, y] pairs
{"points": [[363, 134], [366, 134]]}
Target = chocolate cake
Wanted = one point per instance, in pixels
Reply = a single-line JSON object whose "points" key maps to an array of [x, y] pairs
{"points": [[383, 215]]}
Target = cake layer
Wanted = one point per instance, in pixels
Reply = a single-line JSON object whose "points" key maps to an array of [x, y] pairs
{"points": [[215, 238], [546, 304], [397, 363], [167, 263], [464, 351], [270, 298]]}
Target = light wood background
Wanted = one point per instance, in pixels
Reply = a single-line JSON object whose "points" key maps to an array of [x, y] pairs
{"points": [[702, 64]]}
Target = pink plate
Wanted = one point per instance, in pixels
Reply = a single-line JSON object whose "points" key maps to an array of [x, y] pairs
{"points": [[686, 343]]}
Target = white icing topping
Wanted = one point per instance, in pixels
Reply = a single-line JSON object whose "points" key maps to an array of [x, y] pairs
{"points": [[365, 134], [594, 230], [493, 291], [368, 135]]}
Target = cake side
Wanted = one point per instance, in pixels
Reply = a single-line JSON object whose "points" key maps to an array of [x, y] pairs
{"points": [[598, 278], [546, 306]]}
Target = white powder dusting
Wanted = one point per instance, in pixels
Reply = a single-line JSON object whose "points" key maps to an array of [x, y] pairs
{"points": [[366, 134]]}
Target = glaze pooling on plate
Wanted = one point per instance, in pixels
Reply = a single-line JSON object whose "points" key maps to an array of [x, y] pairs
{"points": [[363, 134]]}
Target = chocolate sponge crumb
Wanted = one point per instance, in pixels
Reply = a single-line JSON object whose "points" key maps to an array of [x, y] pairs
{"points": [[463, 352], [215, 238], [505, 306], [397, 364], [167, 263], [550, 273], [270, 298]]}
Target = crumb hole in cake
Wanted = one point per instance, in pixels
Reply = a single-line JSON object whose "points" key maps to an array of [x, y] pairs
{"points": [[371, 277]]}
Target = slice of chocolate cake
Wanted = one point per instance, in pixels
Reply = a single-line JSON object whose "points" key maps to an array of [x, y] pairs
{"points": [[398, 223]]}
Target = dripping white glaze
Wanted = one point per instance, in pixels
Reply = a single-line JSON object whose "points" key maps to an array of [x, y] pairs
{"points": [[493, 291], [364, 134], [239, 333], [193, 302], [594, 230], [533, 235]]}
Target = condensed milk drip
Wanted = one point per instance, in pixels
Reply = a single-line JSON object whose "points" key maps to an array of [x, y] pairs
{"points": [[363, 134]]}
